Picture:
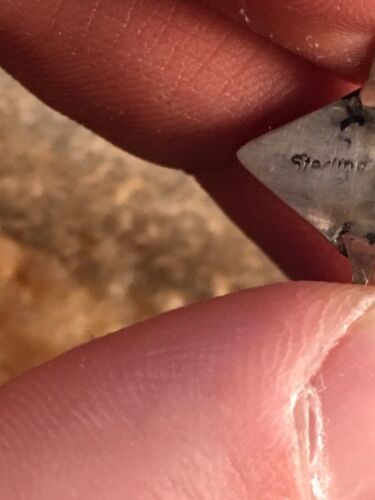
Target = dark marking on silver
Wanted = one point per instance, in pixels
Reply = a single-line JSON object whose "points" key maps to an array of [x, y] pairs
{"points": [[304, 162], [356, 112], [370, 237], [338, 237], [351, 120]]}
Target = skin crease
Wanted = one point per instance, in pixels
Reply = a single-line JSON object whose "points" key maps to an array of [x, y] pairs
{"points": [[197, 404], [318, 30], [193, 89]]}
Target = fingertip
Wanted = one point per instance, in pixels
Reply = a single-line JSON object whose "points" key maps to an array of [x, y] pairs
{"points": [[335, 35], [368, 91], [199, 401], [345, 387]]}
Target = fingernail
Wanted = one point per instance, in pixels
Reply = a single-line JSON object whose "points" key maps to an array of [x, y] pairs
{"points": [[346, 389]]}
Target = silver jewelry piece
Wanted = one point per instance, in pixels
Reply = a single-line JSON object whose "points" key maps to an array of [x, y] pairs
{"points": [[323, 166]]}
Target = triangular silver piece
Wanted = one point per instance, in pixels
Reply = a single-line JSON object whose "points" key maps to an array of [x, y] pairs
{"points": [[323, 166]]}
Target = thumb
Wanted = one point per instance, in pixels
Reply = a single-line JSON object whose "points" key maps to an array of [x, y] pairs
{"points": [[267, 394]]}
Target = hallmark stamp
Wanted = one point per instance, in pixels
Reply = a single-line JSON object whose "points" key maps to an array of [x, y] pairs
{"points": [[304, 162]]}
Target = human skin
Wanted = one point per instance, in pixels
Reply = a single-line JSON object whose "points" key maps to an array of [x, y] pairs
{"points": [[209, 402]]}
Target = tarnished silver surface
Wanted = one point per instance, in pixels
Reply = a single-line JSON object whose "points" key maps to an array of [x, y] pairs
{"points": [[323, 166]]}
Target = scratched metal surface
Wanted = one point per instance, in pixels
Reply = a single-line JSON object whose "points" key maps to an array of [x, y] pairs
{"points": [[325, 172], [92, 239]]}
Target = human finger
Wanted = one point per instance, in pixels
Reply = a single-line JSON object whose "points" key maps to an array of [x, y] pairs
{"points": [[180, 86], [335, 34], [250, 396]]}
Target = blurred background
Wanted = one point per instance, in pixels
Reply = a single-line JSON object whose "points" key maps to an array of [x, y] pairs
{"points": [[92, 239]]}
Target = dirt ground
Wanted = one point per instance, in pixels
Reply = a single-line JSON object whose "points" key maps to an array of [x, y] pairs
{"points": [[92, 239]]}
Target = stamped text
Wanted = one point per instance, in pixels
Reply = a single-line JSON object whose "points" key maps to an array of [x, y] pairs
{"points": [[304, 162]]}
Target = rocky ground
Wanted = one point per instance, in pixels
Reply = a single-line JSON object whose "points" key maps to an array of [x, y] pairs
{"points": [[92, 239]]}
